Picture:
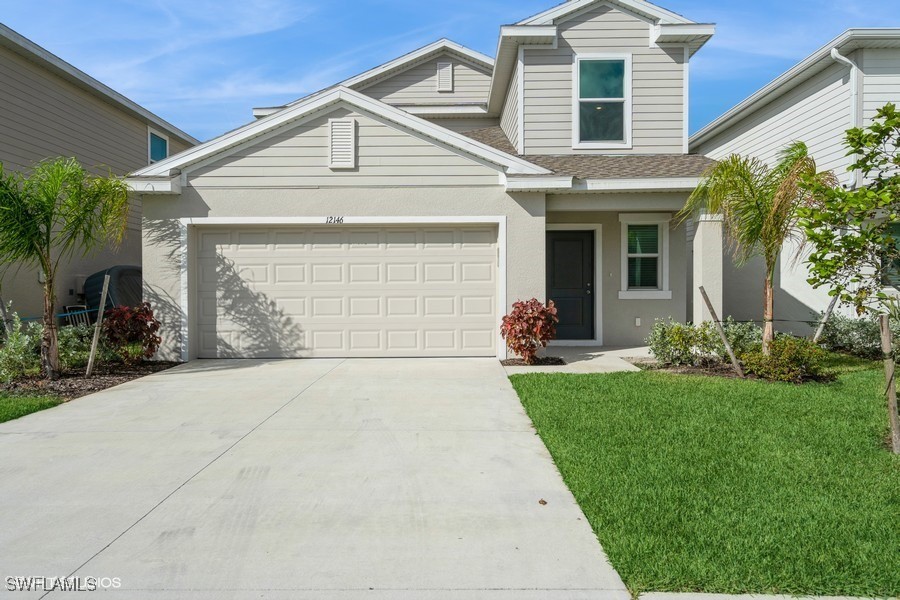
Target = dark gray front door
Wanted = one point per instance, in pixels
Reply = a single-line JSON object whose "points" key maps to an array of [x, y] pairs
{"points": [[570, 282]]}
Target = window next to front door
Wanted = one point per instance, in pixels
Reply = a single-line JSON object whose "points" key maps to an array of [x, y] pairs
{"points": [[645, 256], [602, 102]]}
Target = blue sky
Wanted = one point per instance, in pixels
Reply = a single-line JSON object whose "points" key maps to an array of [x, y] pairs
{"points": [[203, 64]]}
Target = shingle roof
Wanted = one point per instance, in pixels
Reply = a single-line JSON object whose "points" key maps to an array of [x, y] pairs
{"points": [[594, 166]]}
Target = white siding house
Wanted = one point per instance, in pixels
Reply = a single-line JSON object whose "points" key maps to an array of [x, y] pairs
{"points": [[838, 87]]}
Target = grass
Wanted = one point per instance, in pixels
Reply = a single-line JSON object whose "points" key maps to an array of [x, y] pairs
{"points": [[13, 406], [702, 484]]}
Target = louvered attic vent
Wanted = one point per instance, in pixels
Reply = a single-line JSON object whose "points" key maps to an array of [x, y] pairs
{"points": [[445, 76], [342, 143]]}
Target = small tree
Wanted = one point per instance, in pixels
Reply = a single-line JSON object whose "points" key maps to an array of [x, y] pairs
{"points": [[46, 217], [854, 250], [759, 207]]}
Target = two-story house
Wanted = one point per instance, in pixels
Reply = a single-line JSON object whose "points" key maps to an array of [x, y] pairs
{"points": [[50, 109], [839, 86], [402, 211]]}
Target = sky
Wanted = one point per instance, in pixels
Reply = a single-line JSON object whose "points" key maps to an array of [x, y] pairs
{"points": [[204, 64]]}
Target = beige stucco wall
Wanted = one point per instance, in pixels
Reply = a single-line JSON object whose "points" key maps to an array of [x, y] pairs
{"points": [[618, 316], [162, 236]]}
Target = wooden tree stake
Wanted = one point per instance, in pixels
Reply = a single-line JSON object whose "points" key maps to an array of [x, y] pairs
{"points": [[821, 330], [887, 348], [97, 326], [721, 330], [7, 326]]}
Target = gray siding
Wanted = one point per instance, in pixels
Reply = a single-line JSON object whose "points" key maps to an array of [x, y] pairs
{"points": [[45, 116], [816, 112], [509, 119], [418, 84], [658, 86], [882, 80], [386, 156]]}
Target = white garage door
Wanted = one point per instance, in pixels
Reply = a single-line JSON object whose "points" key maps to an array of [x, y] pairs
{"points": [[352, 291]]}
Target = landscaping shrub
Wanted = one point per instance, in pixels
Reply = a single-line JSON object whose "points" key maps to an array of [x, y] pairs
{"points": [[529, 327], [20, 352], [132, 332], [859, 337], [792, 360], [686, 344], [75, 346]]}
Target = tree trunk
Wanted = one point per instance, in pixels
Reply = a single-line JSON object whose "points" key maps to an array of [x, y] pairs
{"points": [[768, 314], [49, 341]]}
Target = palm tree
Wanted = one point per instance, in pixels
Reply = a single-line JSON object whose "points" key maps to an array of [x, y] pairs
{"points": [[758, 205], [46, 217]]}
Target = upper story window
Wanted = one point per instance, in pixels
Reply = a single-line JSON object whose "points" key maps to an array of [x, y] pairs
{"points": [[158, 146], [890, 269], [602, 101]]}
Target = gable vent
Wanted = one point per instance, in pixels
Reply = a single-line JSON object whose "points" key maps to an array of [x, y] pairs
{"points": [[342, 143], [445, 76]]}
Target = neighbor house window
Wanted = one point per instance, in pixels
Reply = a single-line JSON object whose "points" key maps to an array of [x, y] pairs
{"points": [[603, 105], [645, 258], [158, 146]]}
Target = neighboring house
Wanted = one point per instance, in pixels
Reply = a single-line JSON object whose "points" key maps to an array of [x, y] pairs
{"points": [[402, 211], [48, 109], [838, 87]]}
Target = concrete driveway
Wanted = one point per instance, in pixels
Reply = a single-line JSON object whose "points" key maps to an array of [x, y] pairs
{"points": [[325, 479]]}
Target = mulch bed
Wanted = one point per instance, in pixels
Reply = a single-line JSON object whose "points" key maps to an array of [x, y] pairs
{"points": [[542, 361], [73, 384]]}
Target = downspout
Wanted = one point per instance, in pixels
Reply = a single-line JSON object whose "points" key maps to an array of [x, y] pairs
{"points": [[855, 116]]}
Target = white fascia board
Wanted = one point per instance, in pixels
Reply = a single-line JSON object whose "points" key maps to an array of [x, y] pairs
{"points": [[23, 46], [678, 32], [532, 34], [159, 185], [184, 160], [447, 110], [650, 184], [790, 79], [638, 6], [265, 111], [538, 184]]}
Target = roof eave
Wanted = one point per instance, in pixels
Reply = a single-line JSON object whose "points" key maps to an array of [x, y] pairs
{"points": [[850, 40], [511, 37], [28, 49]]}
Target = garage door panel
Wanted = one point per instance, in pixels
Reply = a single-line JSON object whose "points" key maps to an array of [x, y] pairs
{"points": [[352, 291]]}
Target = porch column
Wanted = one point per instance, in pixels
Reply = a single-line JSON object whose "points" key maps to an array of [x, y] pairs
{"points": [[707, 265]]}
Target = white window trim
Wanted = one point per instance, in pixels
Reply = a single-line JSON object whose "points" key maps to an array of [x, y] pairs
{"points": [[157, 133], [440, 65], [577, 144], [662, 220], [597, 228]]}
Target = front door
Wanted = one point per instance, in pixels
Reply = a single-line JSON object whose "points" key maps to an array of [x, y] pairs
{"points": [[570, 282]]}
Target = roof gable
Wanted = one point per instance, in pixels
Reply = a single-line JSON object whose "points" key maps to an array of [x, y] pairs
{"points": [[228, 143], [639, 7]]}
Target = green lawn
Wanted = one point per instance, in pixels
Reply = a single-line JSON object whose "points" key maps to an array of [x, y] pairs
{"points": [[704, 484], [13, 406]]}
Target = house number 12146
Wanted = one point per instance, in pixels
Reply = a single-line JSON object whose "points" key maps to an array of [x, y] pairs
{"points": [[334, 220]]}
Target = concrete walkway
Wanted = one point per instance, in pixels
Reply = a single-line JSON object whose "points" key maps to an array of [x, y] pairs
{"points": [[587, 359], [323, 479]]}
